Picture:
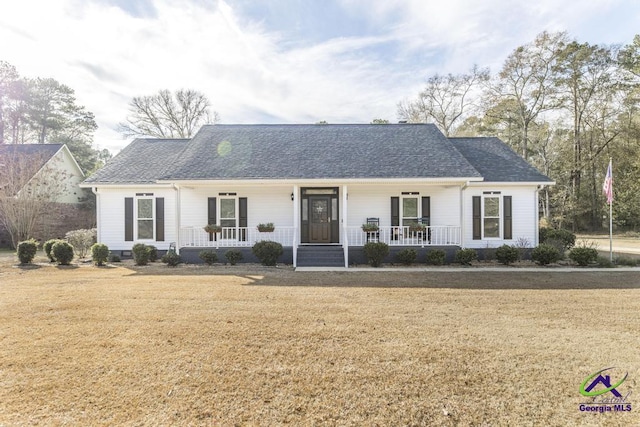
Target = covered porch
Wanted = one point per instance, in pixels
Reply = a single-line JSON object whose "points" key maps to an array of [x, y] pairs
{"points": [[328, 214]]}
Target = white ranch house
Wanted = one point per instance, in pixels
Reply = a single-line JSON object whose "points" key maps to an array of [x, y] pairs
{"points": [[318, 185]]}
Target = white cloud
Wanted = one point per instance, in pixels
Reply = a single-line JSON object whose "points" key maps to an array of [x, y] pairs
{"points": [[252, 73]]}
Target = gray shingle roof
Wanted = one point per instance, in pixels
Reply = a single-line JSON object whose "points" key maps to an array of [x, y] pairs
{"points": [[143, 161], [319, 151], [40, 153], [315, 152], [496, 162]]}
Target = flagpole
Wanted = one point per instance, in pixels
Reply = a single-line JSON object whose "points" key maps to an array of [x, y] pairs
{"points": [[610, 200]]}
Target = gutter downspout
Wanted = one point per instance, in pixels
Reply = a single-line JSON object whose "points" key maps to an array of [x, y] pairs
{"points": [[177, 204], [94, 190], [462, 211]]}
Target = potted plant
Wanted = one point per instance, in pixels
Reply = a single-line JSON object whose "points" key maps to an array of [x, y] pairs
{"points": [[212, 228], [368, 228], [266, 228], [416, 228]]}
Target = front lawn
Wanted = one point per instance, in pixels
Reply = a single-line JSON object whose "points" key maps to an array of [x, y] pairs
{"points": [[266, 346]]}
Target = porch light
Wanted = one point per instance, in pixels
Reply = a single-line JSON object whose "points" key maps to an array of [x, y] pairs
{"points": [[292, 197]]}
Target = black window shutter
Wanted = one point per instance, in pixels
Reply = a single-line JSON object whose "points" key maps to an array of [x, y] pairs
{"points": [[395, 211], [477, 218], [212, 217], [242, 217], [426, 210], [160, 219], [128, 219], [508, 221]]}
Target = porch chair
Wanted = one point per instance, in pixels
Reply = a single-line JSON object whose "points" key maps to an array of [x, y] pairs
{"points": [[373, 236]]}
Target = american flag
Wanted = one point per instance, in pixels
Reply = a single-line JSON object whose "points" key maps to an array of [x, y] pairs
{"points": [[607, 187]]}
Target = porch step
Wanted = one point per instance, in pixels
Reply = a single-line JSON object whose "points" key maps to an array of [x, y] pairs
{"points": [[320, 256]]}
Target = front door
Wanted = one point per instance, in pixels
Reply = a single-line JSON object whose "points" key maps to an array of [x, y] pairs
{"points": [[320, 219]]}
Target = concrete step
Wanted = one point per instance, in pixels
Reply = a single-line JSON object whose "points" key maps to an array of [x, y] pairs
{"points": [[320, 256]]}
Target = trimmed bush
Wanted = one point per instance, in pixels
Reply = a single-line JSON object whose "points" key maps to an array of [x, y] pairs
{"points": [[47, 248], [81, 240], [604, 262], [233, 256], [376, 252], [62, 252], [436, 257], [140, 253], [465, 256], [99, 253], [171, 258], [267, 252], [407, 256], [153, 253], [209, 257], [114, 258], [545, 254], [583, 256], [567, 238], [26, 251], [506, 254]]}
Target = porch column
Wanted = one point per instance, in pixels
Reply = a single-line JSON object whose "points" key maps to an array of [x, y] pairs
{"points": [[296, 224], [345, 240]]}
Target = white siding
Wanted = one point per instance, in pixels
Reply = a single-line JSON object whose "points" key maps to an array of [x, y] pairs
{"points": [[110, 206], [264, 204], [375, 201], [524, 213]]}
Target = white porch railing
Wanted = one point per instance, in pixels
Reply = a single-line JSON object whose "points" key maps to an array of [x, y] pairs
{"points": [[234, 237], [446, 235]]}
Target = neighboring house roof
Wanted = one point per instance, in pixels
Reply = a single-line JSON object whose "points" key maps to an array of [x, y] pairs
{"points": [[248, 152], [142, 161], [496, 161], [41, 153]]}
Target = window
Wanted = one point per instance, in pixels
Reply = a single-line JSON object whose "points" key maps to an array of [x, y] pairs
{"points": [[228, 217], [410, 212], [144, 218], [491, 216]]}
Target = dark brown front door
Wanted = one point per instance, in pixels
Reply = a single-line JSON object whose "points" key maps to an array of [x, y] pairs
{"points": [[320, 224]]}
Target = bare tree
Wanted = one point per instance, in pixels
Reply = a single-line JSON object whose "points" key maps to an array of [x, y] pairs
{"points": [[167, 115], [444, 100], [28, 188]]}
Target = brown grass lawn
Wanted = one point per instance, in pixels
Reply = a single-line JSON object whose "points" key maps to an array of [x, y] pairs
{"points": [[267, 346]]}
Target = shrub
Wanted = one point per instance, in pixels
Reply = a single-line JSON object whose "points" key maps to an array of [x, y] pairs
{"points": [[545, 254], [436, 257], [153, 253], [465, 256], [114, 258], [99, 253], [26, 251], [140, 254], [81, 240], [630, 262], [583, 255], [267, 251], [407, 256], [567, 238], [171, 258], [62, 252], [47, 248], [233, 256], [604, 262], [376, 252], [507, 254], [209, 257], [558, 244]]}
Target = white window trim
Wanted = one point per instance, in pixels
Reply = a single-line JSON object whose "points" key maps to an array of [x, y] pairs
{"points": [[153, 219], [418, 208], [500, 216]]}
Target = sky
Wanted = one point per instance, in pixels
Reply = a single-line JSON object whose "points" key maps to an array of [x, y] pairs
{"points": [[281, 61]]}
